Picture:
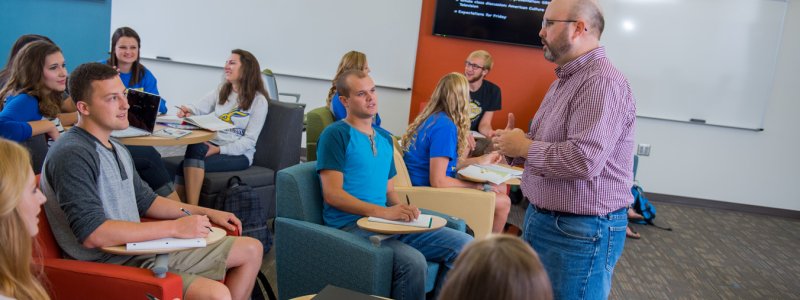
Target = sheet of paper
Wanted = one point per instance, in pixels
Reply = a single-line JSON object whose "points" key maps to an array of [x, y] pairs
{"points": [[423, 221]]}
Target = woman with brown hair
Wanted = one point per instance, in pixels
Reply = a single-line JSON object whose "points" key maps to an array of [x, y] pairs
{"points": [[352, 60], [241, 101], [31, 100], [435, 145], [20, 204], [499, 267]]}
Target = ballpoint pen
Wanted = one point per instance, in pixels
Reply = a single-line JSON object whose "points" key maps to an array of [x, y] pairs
{"points": [[189, 214]]}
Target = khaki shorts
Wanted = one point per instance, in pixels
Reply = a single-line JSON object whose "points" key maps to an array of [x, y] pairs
{"points": [[208, 262]]}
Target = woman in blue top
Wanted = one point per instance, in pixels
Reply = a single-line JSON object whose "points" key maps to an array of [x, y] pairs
{"points": [[125, 45], [436, 144], [124, 57], [31, 100], [352, 60]]}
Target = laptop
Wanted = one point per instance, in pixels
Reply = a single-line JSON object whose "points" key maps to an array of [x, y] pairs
{"points": [[141, 114]]}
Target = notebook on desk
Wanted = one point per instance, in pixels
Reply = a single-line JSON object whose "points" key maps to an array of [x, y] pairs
{"points": [[141, 114]]}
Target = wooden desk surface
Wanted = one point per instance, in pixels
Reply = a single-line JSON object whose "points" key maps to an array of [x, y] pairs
{"points": [[197, 136], [364, 223], [212, 238]]}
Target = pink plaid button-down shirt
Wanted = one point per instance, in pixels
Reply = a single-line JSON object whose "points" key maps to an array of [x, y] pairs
{"points": [[581, 158]]}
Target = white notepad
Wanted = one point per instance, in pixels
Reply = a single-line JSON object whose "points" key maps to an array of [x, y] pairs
{"points": [[167, 243], [210, 122], [423, 221], [492, 173]]}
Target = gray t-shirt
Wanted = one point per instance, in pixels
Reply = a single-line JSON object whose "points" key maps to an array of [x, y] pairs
{"points": [[87, 184]]}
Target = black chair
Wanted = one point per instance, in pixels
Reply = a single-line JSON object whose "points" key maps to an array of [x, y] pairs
{"points": [[278, 147], [37, 146]]}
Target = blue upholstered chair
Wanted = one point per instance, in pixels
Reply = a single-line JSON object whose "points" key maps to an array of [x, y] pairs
{"points": [[310, 255]]}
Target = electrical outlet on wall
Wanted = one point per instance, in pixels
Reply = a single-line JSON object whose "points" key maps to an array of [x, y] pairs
{"points": [[643, 150]]}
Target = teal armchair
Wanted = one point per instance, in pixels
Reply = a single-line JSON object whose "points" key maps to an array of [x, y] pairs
{"points": [[310, 255]]}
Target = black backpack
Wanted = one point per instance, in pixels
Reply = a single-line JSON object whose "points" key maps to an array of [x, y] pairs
{"points": [[241, 200]]}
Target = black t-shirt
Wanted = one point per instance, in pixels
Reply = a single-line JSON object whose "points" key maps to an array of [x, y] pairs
{"points": [[486, 98]]}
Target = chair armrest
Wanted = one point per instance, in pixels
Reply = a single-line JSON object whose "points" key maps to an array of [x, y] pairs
{"points": [[72, 279], [475, 207], [452, 222], [310, 256], [295, 95]]}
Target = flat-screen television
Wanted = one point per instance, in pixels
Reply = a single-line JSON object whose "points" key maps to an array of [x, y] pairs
{"points": [[504, 21]]}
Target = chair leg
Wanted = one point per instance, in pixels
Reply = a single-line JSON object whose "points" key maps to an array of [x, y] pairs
{"points": [[193, 178]]}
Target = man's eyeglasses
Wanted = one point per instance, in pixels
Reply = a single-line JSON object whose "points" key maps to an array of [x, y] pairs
{"points": [[547, 23], [473, 66]]}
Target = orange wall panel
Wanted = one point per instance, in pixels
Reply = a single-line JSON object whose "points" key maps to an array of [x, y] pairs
{"points": [[521, 72]]}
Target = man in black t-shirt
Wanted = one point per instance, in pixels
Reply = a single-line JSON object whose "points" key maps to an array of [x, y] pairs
{"points": [[484, 96]]}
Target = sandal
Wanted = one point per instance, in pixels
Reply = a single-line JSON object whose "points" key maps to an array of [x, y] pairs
{"points": [[630, 233]]}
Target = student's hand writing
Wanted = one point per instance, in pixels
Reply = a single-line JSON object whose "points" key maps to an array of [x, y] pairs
{"points": [[400, 212], [224, 219], [183, 111], [192, 227]]}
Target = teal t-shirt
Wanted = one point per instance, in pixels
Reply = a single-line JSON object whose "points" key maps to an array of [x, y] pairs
{"points": [[366, 171]]}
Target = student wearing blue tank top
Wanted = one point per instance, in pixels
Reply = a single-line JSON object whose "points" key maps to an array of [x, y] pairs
{"points": [[352, 60], [125, 43], [436, 144], [31, 101]]}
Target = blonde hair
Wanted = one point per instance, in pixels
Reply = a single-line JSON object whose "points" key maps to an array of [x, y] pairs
{"points": [[497, 267], [352, 60], [452, 97], [17, 279], [487, 58]]}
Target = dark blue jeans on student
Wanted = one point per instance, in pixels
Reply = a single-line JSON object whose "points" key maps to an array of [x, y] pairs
{"points": [[578, 252], [151, 169], [195, 157], [411, 253]]}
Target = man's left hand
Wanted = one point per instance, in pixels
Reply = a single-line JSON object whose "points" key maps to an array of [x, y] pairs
{"points": [[225, 219], [512, 143]]}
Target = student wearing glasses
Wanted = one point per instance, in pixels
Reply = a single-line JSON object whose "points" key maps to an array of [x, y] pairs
{"points": [[435, 146], [484, 100]]}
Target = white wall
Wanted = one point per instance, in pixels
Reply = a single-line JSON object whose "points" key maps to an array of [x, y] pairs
{"points": [[757, 168], [184, 83]]}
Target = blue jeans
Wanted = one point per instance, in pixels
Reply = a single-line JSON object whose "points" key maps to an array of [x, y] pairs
{"points": [[195, 157], [578, 252], [411, 253]]}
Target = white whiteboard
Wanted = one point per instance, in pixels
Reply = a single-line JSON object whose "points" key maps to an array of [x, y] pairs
{"points": [[711, 60], [304, 38]]}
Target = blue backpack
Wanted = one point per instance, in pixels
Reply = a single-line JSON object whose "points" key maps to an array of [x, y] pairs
{"points": [[641, 204]]}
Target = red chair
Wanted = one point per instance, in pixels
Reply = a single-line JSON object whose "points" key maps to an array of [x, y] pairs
{"points": [[73, 279]]}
